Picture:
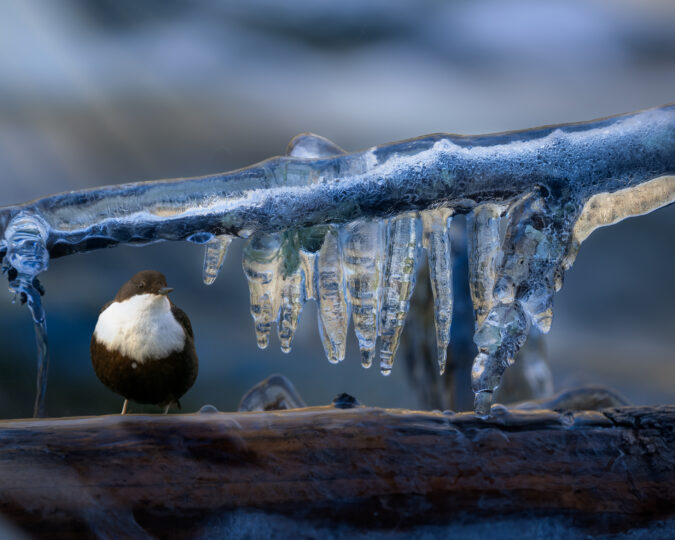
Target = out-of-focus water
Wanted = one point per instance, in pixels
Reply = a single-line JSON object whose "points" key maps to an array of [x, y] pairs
{"points": [[94, 93]]}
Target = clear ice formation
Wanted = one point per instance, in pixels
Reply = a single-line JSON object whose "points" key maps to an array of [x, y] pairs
{"points": [[362, 254], [26, 257], [334, 310], [214, 256], [347, 229], [274, 393], [483, 240], [262, 265], [436, 242], [400, 265]]}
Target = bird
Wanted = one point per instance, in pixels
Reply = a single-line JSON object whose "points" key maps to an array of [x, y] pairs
{"points": [[143, 344]]}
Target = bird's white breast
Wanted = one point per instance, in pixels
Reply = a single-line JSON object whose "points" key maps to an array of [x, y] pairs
{"points": [[141, 327]]}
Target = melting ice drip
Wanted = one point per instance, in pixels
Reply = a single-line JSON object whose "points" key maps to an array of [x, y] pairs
{"points": [[26, 257], [347, 230]]}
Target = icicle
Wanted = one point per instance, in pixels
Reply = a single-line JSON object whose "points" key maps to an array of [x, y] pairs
{"points": [[399, 282], [292, 298], [299, 254], [261, 260], [484, 244], [528, 273], [499, 338], [310, 241], [325, 285], [333, 307], [436, 241], [26, 257], [361, 244], [296, 289], [308, 265], [214, 256], [530, 257]]}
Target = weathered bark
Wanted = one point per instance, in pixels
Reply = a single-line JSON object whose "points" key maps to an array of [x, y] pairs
{"points": [[165, 475]]}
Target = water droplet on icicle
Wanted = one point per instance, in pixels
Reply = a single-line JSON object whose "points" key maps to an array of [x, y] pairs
{"points": [[200, 237]]}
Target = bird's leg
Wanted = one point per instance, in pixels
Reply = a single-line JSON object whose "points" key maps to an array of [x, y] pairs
{"points": [[166, 409], [124, 407]]}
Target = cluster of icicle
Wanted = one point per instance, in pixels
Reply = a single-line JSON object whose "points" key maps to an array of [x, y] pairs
{"points": [[365, 271]]}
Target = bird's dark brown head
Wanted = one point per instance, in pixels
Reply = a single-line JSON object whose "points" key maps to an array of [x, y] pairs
{"points": [[145, 282]]}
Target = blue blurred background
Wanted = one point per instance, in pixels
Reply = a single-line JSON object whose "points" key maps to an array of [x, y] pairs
{"points": [[104, 92]]}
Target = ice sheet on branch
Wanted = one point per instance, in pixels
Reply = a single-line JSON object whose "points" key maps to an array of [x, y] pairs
{"points": [[347, 229]]}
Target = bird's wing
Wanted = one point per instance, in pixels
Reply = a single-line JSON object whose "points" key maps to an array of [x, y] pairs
{"points": [[182, 318]]}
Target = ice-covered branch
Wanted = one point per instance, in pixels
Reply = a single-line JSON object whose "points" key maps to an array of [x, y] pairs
{"points": [[534, 195]]}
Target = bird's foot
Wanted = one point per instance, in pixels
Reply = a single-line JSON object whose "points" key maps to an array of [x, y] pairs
{"points": [[125, 406], [173, 402]]}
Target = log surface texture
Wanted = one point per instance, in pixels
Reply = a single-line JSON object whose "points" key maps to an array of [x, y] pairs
{"points": [[166, 476]]}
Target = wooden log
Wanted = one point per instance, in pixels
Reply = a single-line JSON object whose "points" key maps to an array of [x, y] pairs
{"points": [[166, 476]]}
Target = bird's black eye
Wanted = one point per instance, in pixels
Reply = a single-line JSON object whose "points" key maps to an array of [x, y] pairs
{"points": [[141, 285]]}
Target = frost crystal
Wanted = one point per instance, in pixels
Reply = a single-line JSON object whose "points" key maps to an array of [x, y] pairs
{"points": [[347, 229]]}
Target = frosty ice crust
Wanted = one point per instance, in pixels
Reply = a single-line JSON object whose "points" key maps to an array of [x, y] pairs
{"points": [[533, 196]]}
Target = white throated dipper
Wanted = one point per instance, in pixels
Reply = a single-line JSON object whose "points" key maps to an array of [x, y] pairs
{"points": [[143, 345]]}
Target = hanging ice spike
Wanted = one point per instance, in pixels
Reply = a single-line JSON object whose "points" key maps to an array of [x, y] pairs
{"points": [[214, 257], [261, 260], [280, 270], [400, 264], [527, 274], [333, 306], [484, 251], [361, 245], [436, 241], [536, 195], [319, 272], [292, 298]]}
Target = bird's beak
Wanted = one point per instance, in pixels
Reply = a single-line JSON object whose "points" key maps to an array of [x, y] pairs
{"points": [[165, 290]]}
